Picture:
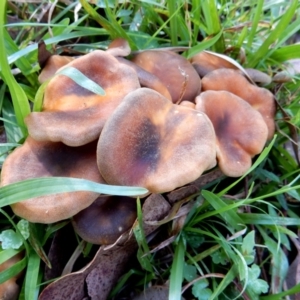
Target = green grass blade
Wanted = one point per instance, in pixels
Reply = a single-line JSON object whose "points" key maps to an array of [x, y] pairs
{"points": [[19, 99], [227, 280], [32, 274], [81, 80], [176, 276], [52, 185], [13, 270], [230, 216], [207, 43], [173, 21], [274, 35], [264, 219], [256, 19], [213, 25], [7, 254], [285, 53], [292, 291]]}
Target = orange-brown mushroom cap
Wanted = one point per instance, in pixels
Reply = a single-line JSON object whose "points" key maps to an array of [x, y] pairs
{"points": [[241, 131], [153, 143], [173, 70], [105, 219], [46, 159], [232, 81], [74, 115], [205, 62]]}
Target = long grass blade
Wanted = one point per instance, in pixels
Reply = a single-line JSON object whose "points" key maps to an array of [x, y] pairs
{"points": [[52, 185]]}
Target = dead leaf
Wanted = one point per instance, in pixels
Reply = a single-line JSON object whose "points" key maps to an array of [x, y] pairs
{"points": [[43, 54]]}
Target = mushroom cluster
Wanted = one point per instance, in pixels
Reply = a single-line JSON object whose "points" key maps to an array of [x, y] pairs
{"points": [[163, 121]]}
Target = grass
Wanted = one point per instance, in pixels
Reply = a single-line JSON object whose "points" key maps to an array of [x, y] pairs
{"points": [[240, 236]]}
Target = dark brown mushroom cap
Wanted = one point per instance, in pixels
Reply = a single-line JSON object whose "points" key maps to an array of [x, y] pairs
{"points": [[205, 62], [89, 111], [152, 143], [46, 159], [105, 219], [173, 70], [232, 81], [241, 131], [54, 63]]}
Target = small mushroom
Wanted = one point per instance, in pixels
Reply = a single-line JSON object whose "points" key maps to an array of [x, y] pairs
{"points": [[232, 81], [258, 76], [105, 219], [119, 47], [241, 131], [204, 62], [74, 115], [47, 159], [151, 142], [173, 70]]}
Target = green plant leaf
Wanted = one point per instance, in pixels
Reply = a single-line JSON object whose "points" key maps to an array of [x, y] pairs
{"points": [[23, 226], [248, 247], [258, 286], [189, 272], [10, 239], [200, 291]]}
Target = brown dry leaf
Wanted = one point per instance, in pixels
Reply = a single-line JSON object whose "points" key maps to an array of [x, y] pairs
{"points": [[100, 275], [43, 54]]}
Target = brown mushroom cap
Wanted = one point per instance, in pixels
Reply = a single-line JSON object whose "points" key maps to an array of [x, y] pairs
{"points": [[148, 79], [241, 131], [74, 115], [46, 159], [173, 70], [205, 62], [53, 63], [232, 81], [105, 219], [152, 143]]}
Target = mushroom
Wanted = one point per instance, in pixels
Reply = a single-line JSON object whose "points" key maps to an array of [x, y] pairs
{"points": [[258, 77], [119, 47], [204, 62], [9, 289], [241, 131], [147, 79], [173, 70], [74, 115], [150, 142], [46, 159], [105, 219], [232, 81]]}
